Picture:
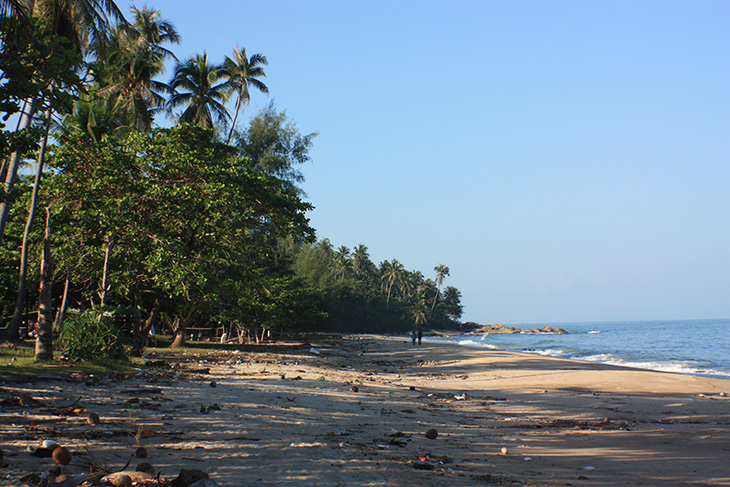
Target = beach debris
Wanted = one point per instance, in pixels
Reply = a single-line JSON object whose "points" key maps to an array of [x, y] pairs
{"points": [[93, 419], [432, 434], [134, 476], [50, 444], [145, 467], [213, 384], [61, 456], [503, 451], [460, 397], [589, 467], [722, 394], [141, 452], [186, 478], [314, 351], [526, 459], [354, 389], [421, 465], [122, 481]]}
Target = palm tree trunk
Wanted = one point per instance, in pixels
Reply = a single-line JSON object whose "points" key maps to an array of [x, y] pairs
{"points": [[44, 341], [13, 331], [235, 117], [12, 167]]}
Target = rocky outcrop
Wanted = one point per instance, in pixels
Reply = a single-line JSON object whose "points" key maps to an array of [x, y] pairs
{"points": [[499, 328]]}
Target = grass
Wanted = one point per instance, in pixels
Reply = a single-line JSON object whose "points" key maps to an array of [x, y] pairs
{"points": [[20, 362]]}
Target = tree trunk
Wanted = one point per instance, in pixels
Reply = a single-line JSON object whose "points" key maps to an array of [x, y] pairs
{"points": [[179, 340], [61, 315], [12, 167], [44, 340], [13, 331], [140, 335], [104, 291]]}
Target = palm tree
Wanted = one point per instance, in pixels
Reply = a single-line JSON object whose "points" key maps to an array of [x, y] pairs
{"points": [[242, 73], [391, 275], [82, 23], [131, 59], [360, 259], [202, 98], [441, 272]]}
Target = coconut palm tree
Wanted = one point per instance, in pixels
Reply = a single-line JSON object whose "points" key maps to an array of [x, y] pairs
{"points": [[391, 273], [441, 272], [242, 73], [82, 23], [131, 60], [203, 100]]}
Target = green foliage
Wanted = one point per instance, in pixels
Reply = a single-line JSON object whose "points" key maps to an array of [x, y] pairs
{"points": [[91, 336], [358, 297], [274, 146]]}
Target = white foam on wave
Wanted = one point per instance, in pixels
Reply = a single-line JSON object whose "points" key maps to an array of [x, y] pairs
{"points": [[472, 343]]}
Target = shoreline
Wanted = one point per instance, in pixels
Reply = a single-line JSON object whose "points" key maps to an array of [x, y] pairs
{"points": [[472, 341], [357, 413]]}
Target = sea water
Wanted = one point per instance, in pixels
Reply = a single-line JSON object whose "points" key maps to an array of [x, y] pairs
{"points": [[697, 347]]}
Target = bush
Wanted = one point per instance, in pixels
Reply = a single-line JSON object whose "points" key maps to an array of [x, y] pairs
{"points": [[87, 337]]}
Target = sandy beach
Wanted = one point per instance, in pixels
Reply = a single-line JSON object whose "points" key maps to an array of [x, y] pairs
{"points": [[354, 411]]}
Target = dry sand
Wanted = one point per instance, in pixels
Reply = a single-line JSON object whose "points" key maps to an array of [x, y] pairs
{"points": [[288, 417]]}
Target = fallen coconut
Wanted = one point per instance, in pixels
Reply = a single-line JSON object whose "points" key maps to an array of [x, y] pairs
{"points": [[62, 456], [432, 434]]}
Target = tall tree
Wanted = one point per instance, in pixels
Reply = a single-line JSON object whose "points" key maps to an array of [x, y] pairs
{"points": [[203, 97], [243, 72], [441, 272], [274, 146], [391, 274], [79, 24], [130, 61]]}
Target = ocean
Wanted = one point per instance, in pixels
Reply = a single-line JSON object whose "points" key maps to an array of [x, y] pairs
{"points": [[696, 347]]}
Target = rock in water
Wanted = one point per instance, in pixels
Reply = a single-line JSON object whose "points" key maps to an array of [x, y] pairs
{"points": [[93, 418], [141, 452], [432, 434]]}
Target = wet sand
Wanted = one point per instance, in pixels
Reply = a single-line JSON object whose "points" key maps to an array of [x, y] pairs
{"points": [[289, 417]]}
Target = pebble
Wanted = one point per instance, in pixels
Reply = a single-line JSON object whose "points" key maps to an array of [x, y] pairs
{"points": [[432, 434]]}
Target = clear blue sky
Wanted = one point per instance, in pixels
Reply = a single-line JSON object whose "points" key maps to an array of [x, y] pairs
{"points": [[568, 160]]}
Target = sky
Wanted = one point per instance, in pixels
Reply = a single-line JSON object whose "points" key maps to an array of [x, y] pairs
{"points": [[569, 161]]}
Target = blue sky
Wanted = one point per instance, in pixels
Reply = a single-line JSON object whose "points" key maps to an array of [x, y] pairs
{"points": [[568, 160]]}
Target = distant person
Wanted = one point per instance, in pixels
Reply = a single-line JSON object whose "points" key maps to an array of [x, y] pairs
{"points": [[413, 337], [420, 335], [152, 337]]}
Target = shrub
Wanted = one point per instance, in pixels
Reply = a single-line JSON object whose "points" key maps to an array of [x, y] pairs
{"points": [[89, 336]]}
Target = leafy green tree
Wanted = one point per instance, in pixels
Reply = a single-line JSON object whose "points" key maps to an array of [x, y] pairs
{"points": [[185, 217], [274, 146], [203, 94], [62, 31], [243, 72]]}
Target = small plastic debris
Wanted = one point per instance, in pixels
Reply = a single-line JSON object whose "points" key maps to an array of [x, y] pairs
{"points": [[314, 351], [504, 450], [460, 397], [588, 467], [527, 459]]}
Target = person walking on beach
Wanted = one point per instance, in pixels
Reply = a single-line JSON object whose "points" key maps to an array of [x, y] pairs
{"points": [[420, 335], [413, 337]]}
